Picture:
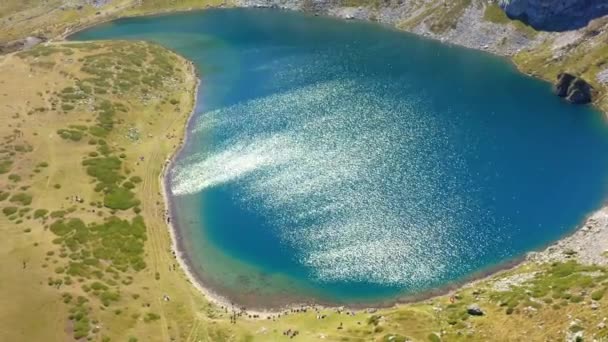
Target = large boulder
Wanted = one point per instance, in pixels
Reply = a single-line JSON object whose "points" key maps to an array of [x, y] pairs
{"points": [[563, 83], [574, 89], [555, 15], [474, 310]]}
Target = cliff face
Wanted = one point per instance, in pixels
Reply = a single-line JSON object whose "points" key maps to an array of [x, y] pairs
{"points": [[555, 15]]}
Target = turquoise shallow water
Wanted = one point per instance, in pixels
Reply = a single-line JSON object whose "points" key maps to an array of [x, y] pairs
{"points": [[344, 162]]}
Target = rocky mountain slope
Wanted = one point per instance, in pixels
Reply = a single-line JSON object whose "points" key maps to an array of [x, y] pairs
{"points": [[478, 24]]}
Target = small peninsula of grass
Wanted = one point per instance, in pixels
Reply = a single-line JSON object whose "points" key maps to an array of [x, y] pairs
{"points": [[71, 161]]}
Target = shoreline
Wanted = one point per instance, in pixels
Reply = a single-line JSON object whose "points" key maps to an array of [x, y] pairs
{"points": [[176, 250], [176, 245], [267, 313]]}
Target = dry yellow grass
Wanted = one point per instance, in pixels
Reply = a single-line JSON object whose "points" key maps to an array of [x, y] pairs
{"points": [[32, 309], [53, 19]]}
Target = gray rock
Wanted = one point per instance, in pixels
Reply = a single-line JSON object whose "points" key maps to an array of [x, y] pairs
{"points": [[574, 89], [20, 44], [474, 310], [563, 83]]}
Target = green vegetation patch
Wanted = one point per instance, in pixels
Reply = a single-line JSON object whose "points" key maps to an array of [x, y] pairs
{"points": [[70, 134], [40, 213], [493, 13], [568, 281], [97, 256], [105, 170], [79, 315], [5, 166], [117, 242], [135, 179], [120, 198], [14, 178], [4, 195], [9, 210], [22, 197], [150, 316]]}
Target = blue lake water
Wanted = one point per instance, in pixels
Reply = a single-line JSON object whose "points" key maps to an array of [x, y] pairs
{"points": [[345, 162]]}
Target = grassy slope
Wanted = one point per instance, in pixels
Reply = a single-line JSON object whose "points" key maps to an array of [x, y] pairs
{"points": [[38, 81], [34, 310], [587, 57], [19, 19]]}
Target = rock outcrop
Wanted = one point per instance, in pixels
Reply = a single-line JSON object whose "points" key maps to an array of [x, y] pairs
{"points": [[574, 89], [21, 44], [475, 310], [555, 15]]}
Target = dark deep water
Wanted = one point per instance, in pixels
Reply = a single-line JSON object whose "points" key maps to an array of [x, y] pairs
{"points": [[345, 162]]}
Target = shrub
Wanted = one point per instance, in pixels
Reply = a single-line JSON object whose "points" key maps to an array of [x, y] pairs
{"points": [[135, 179], [15, 178], [599, 294], [97, 286], [150, 316], [98, 131], [62, 227], [23, 148], [9, 210], [67, 107], [22, 197], [434, 338], [374, 320], [58, 214], [120, 198], [4, 195], [70, 134], [5, 166], [104, 169], [40, 213], [107, 297]]}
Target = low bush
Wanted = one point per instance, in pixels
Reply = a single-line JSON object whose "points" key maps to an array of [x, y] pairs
{"points": [[22, 197]]}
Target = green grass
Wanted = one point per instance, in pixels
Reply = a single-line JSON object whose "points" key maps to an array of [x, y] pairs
{"points": [[120, 198], [493, 13], [106, 170], [570, 281]]}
